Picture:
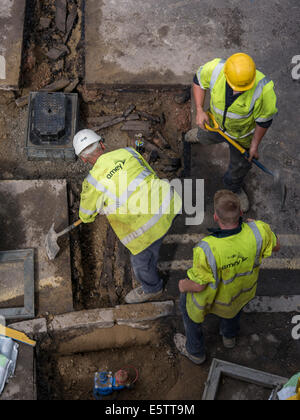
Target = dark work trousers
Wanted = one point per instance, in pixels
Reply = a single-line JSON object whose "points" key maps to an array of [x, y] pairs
{"points": [[195, 342], [145, 268], [238, 166]]}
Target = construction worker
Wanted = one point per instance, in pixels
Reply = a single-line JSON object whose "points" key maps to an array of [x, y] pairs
{"points": [[224, 275], [243, 103], [139, 206]]}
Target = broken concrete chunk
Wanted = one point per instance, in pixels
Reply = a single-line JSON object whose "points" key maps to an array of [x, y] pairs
{"points": [[31, 328], [98, 318], [61, 15], [23, 101], [133, 117], [70, 21], [72, 86], [129, 110], [56, 86], [147, 116], [143, 312], [111, 123], [57, 52], [143, 127], [102, 119]]}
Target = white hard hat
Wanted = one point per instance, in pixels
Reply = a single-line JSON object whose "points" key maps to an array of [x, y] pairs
{"points": [[84, 139]]}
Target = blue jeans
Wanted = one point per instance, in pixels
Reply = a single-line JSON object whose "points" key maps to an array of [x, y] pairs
{"points": [[195, 342], [145, 268]]}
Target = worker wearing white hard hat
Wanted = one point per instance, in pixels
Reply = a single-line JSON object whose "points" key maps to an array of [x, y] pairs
{"points": [[120, 186]]}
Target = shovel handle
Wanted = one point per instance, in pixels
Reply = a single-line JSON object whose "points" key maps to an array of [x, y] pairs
{"points": [[216, 129], [243, 151], [68, 229]]}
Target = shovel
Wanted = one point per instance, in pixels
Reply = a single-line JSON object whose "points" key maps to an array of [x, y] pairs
{"points": [[51, 244], [278, 183]]}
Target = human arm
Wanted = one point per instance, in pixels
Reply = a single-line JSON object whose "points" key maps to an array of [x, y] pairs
{"points": [[257, 139], [199, 276], [189, 286], [201, 84], [272, 242], [199, 97], [91, 202]]}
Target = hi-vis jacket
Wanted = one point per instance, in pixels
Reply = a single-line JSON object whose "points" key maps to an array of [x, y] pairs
{"points": [[139, 206], [253, 106], [230, 268]]}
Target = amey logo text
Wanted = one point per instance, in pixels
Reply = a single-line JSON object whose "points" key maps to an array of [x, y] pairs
{"points": [[117, 168]]}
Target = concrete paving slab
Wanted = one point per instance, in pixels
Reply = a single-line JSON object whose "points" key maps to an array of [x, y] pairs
{"points": [[12, 13], [34, 328], [28, 209], [133, 42], [98, 318]]}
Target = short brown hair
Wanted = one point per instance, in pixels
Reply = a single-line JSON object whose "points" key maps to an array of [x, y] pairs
{"points": [[227, 207]]}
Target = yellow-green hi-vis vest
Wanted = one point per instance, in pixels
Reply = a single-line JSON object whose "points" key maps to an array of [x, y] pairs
{"points": [[139, 206], [253, 106], [230, 269]]}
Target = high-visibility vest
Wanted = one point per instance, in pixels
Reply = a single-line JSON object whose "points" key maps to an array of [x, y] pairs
{"points": [[139, 206], [230, 268], [254, 106]]}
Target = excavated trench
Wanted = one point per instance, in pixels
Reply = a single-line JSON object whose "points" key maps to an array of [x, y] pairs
{"points": [[67, 364]]}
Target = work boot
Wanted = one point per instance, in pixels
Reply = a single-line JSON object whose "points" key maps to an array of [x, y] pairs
{"points": [[139, 296], [229, 343], [191, 136], [180, 343], [244, 200]]}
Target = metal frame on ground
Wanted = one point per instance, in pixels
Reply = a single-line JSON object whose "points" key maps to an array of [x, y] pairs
{"points": [[219, 368], [27, 256]]}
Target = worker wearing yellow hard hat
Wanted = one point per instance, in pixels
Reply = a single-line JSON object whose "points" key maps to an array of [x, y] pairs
{"points": [[243, 103]]}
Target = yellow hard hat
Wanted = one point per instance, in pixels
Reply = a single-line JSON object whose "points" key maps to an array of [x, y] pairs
{"points": [[240, 72]]}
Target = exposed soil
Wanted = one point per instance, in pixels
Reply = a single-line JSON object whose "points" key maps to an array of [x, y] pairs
{"points": [[157, 373]]}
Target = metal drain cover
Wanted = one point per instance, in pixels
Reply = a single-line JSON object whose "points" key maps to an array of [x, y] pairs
{"points": [[49, 117], [52, 125]]}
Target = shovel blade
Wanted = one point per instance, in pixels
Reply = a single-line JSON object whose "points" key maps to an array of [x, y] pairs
{"points": [[51, 246], [280, 187]]}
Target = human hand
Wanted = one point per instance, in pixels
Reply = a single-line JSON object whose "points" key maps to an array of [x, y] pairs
{"points": [[181, 285], [253, 153], [202, 118]]}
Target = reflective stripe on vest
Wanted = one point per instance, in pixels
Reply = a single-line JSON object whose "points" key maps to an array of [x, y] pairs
{"points": [[88, 212], [152, 222], [259, 242], [216, 73], [213, 264], [126, 195], [202, 308], [241, 137], [199, 77], [99, 187]]}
